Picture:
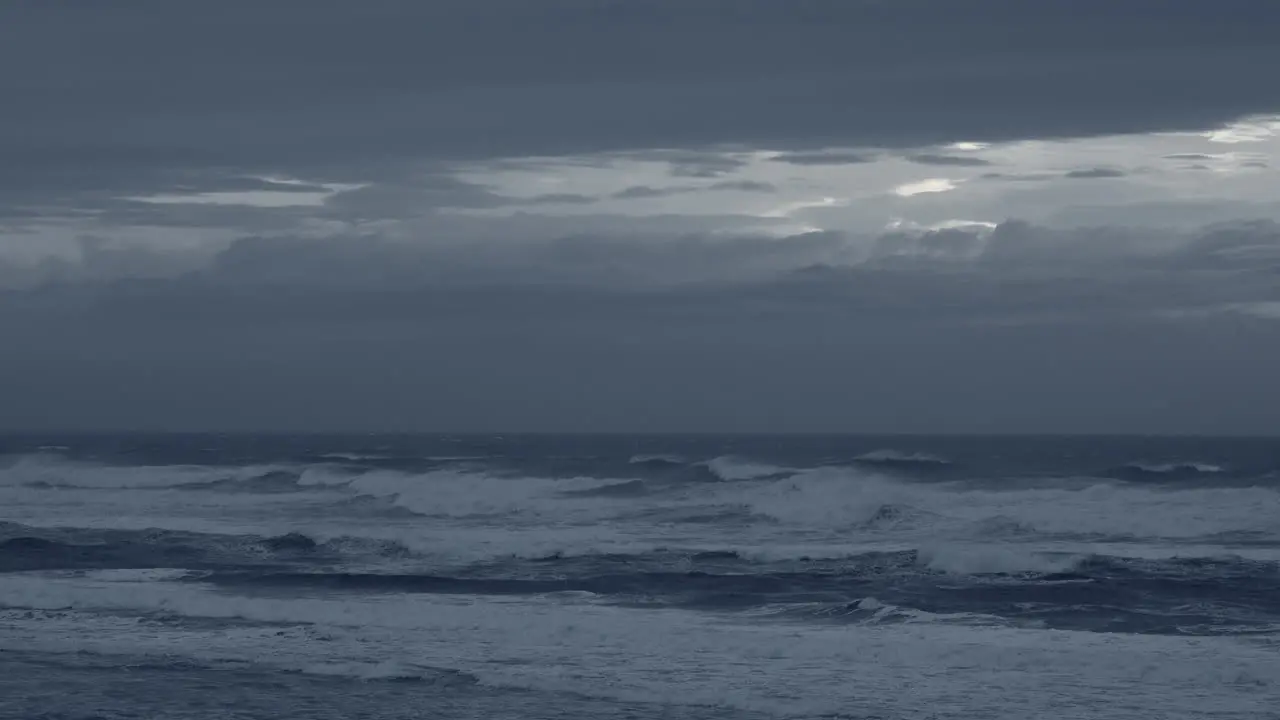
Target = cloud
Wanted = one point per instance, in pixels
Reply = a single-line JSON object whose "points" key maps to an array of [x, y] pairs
{"points": [[924, 187], [1095, 173], [358, 92], [641, 192], [952, 160], [1054, 330], [658, 259], [1266, 310], [825, 157], [745, 186], [1019, 177], [1241, 245], [559, 199], [647, 192], [698, 164]]}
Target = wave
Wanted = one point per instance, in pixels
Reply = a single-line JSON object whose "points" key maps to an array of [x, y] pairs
{"points": [[1205, 596], [24, 548], [112, 642], [766, 499], [843, 499], [996, 560], [53, 471], [656, 459], [356, 457], [624, 489], [731, 468], [469, 494], [1140, 471], [898, 457], [387, 670], [1179, 467]]}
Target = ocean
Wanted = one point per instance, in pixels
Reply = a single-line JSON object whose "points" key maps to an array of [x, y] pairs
{"points": [[696, 576]]}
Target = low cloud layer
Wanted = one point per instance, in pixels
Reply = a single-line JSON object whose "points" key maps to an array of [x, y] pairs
{"points": [[972, 275], [1102, 330]]}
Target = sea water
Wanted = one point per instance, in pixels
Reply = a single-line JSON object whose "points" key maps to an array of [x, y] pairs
{"points": [[239, 576]]}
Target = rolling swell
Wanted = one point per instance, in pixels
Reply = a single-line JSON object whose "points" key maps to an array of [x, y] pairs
{"points": [[24, 548], [776, 532], [1188, 596], [1096, 593]]}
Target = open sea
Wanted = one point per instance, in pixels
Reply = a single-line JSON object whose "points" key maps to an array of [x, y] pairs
{"points": [[575, 577]]}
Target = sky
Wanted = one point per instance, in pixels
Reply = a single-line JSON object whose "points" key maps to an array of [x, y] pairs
{"points": [[876, 216]]}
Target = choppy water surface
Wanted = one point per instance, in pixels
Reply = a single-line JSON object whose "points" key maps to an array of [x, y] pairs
{"points": [[640, 577]]}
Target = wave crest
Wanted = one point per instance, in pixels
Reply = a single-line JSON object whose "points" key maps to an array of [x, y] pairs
{"points": [[898, 457], [732, 468], [54, 471]]}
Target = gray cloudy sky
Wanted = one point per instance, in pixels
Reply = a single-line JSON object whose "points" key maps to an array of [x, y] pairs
{"points": [[653, 215]]}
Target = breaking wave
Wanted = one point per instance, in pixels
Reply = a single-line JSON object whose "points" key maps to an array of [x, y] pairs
{"points": [[731, 468], [837, 498], [1139, 471]]}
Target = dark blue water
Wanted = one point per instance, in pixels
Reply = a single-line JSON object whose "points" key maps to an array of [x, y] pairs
{"points": [[680, 576]]}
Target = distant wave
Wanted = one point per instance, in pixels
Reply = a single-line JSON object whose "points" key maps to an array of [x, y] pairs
{"points": [[54, 471], [657, 459], [1177, 467], [1165, 471], [25, 548], [462, 494], [730, 492], [841, 498], [355, 457], [898, 457]]}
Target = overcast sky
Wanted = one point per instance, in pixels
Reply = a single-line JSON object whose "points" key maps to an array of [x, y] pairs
{"points": [[641, 215]]}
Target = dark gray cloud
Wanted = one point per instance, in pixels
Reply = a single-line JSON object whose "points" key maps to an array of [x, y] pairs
{"points": [[558, 199], [1181, 215], [1240, 245], [1019, 177], [826, 157], [325, 88], [1189, 156], [644, 192], [744, 186], [641, 192], [953, 160], [1095, 173], [696, 164]]}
